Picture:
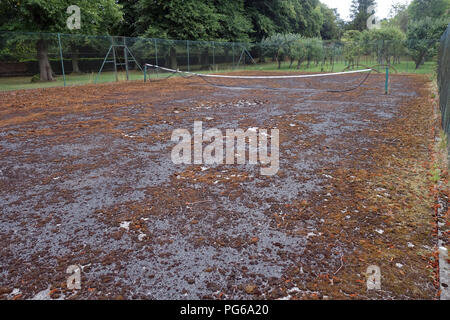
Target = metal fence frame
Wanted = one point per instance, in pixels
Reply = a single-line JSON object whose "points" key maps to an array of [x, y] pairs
{"points": [[190, 55]]}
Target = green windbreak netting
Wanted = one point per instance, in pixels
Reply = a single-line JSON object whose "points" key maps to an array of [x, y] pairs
{"points": [[444, 79]]}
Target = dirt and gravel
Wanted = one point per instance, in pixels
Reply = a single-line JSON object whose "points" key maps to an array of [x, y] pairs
{"points": [[86, 179]]}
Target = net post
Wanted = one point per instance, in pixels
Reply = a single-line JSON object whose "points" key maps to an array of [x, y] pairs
{"points": [[386, 86], [62, 59]]}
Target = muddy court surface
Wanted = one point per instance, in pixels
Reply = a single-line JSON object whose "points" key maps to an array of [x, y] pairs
{"points": [[86, 179]]}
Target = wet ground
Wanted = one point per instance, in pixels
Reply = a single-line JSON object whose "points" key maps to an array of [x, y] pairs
{"points": [[86, 179]]}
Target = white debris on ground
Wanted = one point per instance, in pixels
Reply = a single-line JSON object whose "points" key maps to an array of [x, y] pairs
{"points": [[43, 295], [14, 293], [125, 225]]}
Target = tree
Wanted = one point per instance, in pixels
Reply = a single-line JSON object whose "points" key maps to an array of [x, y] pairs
{"points": [[352, 48], [435, 9], [314, 51], [359, 13], [399, 16], [284, 16], [277, 47], [235, 25], [423, 36], [389, 42], [178, 19], [330, 28], [130, 13], [50, 16], [295, 50]]}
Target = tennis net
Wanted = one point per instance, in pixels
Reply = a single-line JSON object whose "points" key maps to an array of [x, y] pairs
{"points": [[349, 80]]}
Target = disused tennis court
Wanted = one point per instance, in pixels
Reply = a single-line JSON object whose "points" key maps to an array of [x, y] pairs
{"points": [[87, 179]]}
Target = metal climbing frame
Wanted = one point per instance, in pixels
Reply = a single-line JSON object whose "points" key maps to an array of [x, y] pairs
{"points": [[126, 53]]}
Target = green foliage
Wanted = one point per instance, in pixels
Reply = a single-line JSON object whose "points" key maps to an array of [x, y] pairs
{"points": [[352, 47], [330, 27], [127, 27], [284, 16], [235, 25], [399, 17], [314, 50], [277, 47], [229, 20], [435, 9], [50, 15], [178, 19], [422, 36], [295, 47], [389, 42]]}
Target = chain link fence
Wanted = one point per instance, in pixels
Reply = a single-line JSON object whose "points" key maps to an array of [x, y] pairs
{"points": [[81, 59], [444, 79]]}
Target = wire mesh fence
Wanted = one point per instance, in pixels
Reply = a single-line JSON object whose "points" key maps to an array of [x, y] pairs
{"points": [[81, 59], [444, 79]]}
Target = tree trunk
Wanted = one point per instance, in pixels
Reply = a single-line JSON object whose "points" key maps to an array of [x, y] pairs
{"points": [[75, 59], [45, 69], [173, 58], [420, 60]]}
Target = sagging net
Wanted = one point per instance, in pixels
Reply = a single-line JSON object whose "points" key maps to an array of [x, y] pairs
{"points": [[329, 82]]}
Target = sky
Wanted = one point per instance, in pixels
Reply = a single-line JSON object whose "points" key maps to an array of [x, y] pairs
{"points": [[343, 7]]}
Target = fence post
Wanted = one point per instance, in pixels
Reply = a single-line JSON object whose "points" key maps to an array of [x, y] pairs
{"points": [[62, 59], [233, 54], [386, 91], [125, 53], [156, 58], [188, 57], [214, 55], [114, 59]]}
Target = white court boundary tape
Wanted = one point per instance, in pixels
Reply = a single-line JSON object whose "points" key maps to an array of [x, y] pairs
{"points": [[260, 77]]}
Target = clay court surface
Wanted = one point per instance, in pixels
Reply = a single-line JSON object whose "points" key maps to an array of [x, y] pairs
{"points": [[86, 179]]}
